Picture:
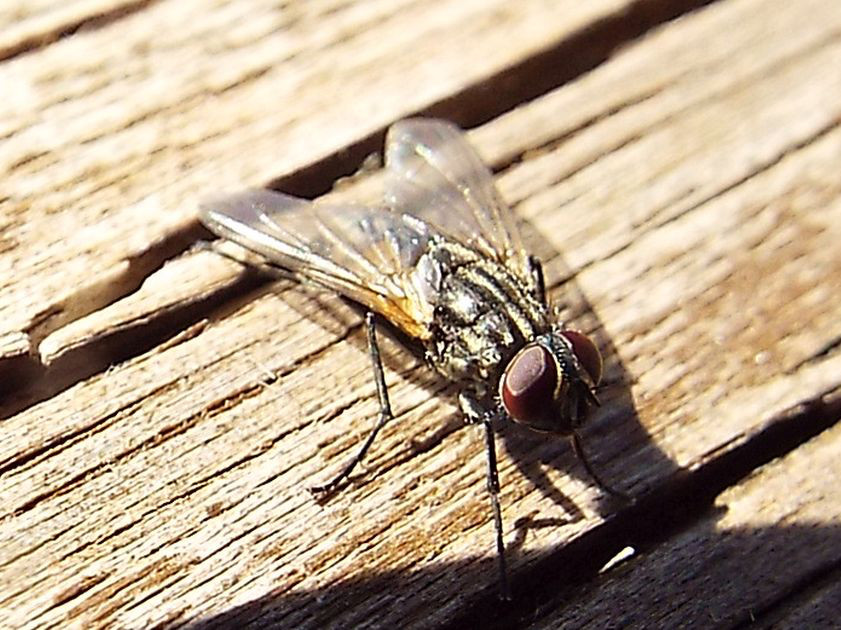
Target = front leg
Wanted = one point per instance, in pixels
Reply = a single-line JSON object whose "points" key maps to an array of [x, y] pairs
{"points": [[536, 268], [476, 413]]}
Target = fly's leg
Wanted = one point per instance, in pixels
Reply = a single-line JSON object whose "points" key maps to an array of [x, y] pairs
{"points": [[536, 269], [579, 452], [493, 491], [385, 410], [475, 414]]}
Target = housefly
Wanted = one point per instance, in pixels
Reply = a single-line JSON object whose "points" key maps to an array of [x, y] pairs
{"points": [[443, 261]]}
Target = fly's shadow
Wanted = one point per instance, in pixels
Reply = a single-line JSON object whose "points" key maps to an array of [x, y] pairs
{"points": [[613, 429]]}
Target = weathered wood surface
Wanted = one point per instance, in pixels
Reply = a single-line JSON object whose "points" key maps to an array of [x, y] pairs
{"points": [[688, 185], [740, 561]]}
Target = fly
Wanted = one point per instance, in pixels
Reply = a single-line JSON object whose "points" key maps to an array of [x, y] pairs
{"points": [[443, 261]]}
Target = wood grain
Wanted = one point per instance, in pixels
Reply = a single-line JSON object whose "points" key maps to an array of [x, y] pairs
{"points": [[114, 132], [765, 533], [683, 195]]}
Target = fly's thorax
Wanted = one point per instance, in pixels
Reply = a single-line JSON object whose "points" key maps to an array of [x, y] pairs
{"points": [[549, 384], [482, 314]]}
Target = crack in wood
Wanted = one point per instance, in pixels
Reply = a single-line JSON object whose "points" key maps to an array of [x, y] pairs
{"points": [[540, 74], [94, 21]]}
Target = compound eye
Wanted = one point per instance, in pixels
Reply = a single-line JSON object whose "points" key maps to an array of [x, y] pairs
{"points": [[529, 384], [586, 352]]}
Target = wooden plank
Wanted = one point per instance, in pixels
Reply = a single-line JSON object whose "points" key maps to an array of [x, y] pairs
{"points": [[32, 25], [736, 566], [171, 488], [111, 135]]}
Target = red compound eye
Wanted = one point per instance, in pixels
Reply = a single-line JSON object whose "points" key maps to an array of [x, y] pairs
{"points": [[586, 352], [528, 386]]}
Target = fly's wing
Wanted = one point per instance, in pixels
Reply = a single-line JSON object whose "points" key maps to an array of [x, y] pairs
{"points": [[366, 254], [434, 174]]}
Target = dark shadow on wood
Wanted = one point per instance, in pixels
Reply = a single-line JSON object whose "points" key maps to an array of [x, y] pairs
{"points": [[572, 591], [564, 585]]}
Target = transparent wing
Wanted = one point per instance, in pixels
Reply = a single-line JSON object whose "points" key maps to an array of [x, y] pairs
{"points": [[366, 254], [434, 174]]}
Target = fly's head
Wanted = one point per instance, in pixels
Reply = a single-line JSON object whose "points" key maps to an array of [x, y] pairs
{"points": [[549, 384]]}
